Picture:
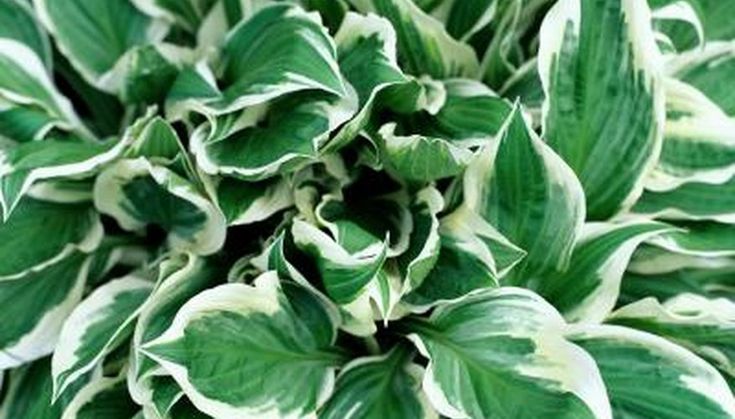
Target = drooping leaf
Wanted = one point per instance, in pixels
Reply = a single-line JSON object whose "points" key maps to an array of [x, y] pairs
{"points": [[37, 304], [587, 289], [281, 49], [97, 326], [277, 341], [94, 36], [498, 353], [647, 376]]}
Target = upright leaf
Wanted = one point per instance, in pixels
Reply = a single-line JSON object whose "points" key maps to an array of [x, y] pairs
{"points": [[520, 186], [604, 108]]}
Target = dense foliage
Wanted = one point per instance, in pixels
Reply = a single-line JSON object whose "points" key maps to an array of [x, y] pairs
{"points": [[367, 209]]}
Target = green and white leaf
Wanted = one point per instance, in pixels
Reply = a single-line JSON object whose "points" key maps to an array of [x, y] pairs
{"points": [[420, 158], [469, 115], [96, 327], [416, 263], [25, 80], [94, 36], [424, 46], [711, 282], [28, 393], [699, 141], [18, 22], [604, 108], [25, 164], [270, 347], [691, 201], [280, 49], [709, 69], [521, 187], [102, 397], [648, 376], [366, 49], [137, 193], [354, 227], [500, 353], [181, 277], [587, 290], [386, 386], [28, 245], [37, 304], [249, 202], [699, 239], [271, 139], [344, 275], [472, 255], [704, 325]]}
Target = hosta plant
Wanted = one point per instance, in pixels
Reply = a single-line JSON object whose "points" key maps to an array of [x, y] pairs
{"points": [[367, 209]]}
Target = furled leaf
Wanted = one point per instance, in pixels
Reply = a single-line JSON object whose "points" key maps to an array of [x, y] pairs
{"points": [[420, 257], [604, 107], [137, 193], [699, 141], [472, 255], [344, 275], [249, 202], [470, 114], [285, 134], [420, 158], [281, 49], [424, 46], [366, 50]]}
